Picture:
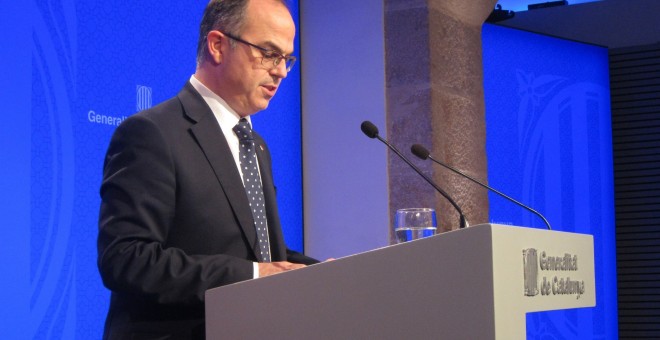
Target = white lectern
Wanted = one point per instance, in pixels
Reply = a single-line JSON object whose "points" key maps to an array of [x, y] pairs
{"points": [[474, 283]]}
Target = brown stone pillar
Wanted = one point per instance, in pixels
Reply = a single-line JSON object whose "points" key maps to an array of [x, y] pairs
{"points": [[434, 84]]}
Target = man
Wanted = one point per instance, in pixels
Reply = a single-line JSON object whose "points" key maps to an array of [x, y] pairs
{"points": [[176, 218]]}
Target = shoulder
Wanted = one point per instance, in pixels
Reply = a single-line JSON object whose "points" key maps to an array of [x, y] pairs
{"points": [[150, 129], [183, 106], [164, 111], [165, 119]]}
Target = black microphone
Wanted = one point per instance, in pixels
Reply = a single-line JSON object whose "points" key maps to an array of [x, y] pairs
{"points": [[371, 131], [421, 152]]}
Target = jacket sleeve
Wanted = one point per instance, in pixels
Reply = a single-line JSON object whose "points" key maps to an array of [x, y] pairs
{"points": [[138, 198], [296, 257]]}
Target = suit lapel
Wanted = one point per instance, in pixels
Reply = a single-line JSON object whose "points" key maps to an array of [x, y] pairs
{"points": [[209, 136], [277, 245]]}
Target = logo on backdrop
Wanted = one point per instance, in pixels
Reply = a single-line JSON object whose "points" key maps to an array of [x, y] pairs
{"points": [[552, 269], [143, 98], [142, 102]]}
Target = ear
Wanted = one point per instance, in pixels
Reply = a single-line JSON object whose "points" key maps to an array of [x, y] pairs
{"points": [[215, 46]]}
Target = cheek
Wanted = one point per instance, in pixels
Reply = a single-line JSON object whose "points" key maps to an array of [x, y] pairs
{"points": [[251, 82]]}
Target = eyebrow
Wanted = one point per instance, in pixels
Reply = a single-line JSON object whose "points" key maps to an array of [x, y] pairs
{"points": [[270, 45]]}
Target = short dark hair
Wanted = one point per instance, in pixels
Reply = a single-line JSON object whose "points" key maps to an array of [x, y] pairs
{"points": [[222, 15]]}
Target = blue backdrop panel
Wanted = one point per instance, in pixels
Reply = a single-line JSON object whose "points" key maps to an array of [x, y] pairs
{"points": [[549, 145], [15, 85], [77, 69]]}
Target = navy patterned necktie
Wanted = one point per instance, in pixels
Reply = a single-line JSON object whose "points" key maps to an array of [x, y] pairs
{"points": [[252, 183]]}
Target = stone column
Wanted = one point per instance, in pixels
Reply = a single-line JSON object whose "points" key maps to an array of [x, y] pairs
{"points": [[434, 89]]}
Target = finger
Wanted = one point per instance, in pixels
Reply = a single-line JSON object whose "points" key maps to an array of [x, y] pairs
{"points": [[292, 266]]}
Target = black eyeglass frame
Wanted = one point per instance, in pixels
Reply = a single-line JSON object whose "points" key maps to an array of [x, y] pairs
{"points": [[267, 54]]}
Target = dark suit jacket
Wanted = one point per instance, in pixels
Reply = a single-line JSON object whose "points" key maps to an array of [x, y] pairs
{"points": [[175, 220]]}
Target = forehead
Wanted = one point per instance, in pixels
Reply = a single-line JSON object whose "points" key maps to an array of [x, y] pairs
{"points": [[268, 23]]}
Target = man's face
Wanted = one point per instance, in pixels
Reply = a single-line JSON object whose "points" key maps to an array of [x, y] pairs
{"points": [[247, 83]]}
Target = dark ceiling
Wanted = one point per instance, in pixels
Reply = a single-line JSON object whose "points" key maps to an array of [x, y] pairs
{"points": [[609, 23]]}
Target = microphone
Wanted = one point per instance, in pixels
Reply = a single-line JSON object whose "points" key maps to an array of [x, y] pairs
{"points": [[421, 152], [371, 131]]}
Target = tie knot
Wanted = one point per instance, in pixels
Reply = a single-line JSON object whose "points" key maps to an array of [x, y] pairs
{"points": [[243, 130]]}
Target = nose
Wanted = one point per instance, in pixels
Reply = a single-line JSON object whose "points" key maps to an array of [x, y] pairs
{"points": [[279, 70]]}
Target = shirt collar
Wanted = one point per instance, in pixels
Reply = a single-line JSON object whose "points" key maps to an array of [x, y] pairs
{"points": [[226, 116]]}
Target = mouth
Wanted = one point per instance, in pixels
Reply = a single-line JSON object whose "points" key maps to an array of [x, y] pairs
{"points": [[269, 90]]}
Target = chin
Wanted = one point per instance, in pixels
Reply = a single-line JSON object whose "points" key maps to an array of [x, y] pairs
{"points": [[262, 106]]}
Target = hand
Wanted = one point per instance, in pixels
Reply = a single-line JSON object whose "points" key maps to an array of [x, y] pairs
{"points": [[266, 269]]}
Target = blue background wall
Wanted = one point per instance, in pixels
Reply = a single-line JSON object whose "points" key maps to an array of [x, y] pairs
{"points": [[15, 168], [521, 5], [549, 144], [74, 66]]}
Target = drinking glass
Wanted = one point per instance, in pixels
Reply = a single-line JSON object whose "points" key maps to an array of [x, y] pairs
{"points": [[414, 223]]}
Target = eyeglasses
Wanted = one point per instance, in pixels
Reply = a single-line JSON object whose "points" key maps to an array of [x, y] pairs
{"points": [[271, 58]]}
